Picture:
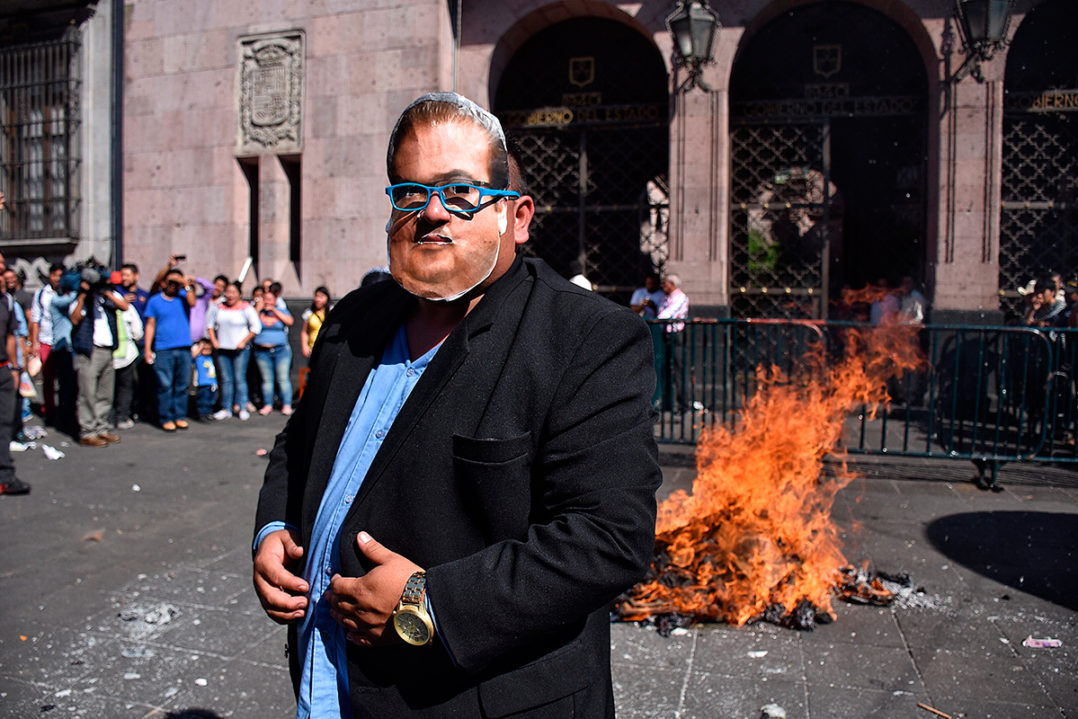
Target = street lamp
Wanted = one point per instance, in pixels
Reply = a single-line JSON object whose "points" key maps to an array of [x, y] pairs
{"points": [[983, 25], [693, 25]]}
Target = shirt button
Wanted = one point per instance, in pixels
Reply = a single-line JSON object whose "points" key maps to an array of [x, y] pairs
{"points": [[329, 572], [348, 499], [410, 372], [380, 433]]}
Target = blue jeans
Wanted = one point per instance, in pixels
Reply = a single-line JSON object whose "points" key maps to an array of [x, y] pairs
{"points": [[233, 364], [275, 363], [207, 397], [173, 370]]}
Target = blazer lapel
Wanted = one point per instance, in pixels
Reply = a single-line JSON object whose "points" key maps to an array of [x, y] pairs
{"points": [[447, 362], [362, 348]]}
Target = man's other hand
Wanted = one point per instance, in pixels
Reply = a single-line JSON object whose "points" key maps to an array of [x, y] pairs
{"points": [[364, 606], [281, 591]]}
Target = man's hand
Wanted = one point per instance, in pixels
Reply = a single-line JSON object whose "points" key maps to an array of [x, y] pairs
{"points": [[281, 591], [364, 606]]}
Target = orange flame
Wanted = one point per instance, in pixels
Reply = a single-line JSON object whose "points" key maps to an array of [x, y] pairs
{"points": [[756, 531]]}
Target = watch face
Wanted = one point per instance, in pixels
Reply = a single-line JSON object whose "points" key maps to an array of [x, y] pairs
{"points": [[411, 628]]}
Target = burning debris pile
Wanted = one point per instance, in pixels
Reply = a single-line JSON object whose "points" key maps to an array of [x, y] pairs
{"points": [[755, 541]]}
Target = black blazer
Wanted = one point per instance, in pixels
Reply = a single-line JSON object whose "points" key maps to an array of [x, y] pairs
{"points": [[521, 474]]}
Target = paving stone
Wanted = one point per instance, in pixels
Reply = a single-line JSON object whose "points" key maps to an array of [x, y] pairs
{"points": [[759, 649], [967, 679], [834, 701], [862, 666], [710, 695], [642, 692]]}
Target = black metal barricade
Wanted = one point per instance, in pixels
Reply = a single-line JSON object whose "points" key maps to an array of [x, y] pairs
{"points": [[706, 369], [990, 395]]}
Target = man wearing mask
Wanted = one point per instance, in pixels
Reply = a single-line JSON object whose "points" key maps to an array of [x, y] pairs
{"points": [[470, 478]]}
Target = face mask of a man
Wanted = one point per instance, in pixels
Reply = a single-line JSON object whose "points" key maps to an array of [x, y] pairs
{"points": [[473, 266], [436, 253]]}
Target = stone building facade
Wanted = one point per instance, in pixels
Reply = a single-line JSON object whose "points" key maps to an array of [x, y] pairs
{"points": [[831, 143]]}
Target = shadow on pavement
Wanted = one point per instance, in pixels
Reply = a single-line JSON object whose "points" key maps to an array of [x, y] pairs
{"points": [[1036, 552]]}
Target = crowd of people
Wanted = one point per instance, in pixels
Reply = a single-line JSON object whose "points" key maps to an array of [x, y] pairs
{"points": [[108, 353], [1049, 301]]}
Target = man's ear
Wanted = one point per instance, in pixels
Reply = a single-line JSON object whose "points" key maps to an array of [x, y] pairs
{"points": [[523, 210]]}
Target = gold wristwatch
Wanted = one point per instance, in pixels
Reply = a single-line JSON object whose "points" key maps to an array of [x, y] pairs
{"points": [[411, 620]]}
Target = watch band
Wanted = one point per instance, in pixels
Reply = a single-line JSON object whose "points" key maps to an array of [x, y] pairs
{"points": [[414, 588]]}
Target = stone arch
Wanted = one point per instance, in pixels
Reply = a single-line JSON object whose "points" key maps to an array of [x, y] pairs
{"points": [[588, 98], [537, 19], [829, 104]]}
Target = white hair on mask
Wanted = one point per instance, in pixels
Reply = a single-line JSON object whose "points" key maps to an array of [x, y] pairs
{"points": [[465, 109]]}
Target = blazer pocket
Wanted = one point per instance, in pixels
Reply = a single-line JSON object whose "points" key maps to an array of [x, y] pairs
{"points": [[543, 682], [494, 478]]}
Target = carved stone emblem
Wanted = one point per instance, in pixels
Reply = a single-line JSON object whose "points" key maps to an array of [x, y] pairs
{"points": [[271, 93]]}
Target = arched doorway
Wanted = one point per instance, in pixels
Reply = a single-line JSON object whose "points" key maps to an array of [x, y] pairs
{"points": [[1039, 217], [827, 140], [586, 101]]}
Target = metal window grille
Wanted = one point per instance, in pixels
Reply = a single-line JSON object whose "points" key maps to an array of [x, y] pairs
{"points": [[1039, 219], [39, 125]]}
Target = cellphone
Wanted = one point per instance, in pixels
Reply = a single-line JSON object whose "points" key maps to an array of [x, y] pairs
{"points": [[180, 258]]}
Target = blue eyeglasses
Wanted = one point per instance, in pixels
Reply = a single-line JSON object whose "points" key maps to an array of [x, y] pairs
{"points": [[456, 197]]}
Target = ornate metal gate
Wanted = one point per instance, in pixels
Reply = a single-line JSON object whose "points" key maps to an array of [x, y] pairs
{"points": [[586, 101], [781, 205], [601, 198], [1039, 217]]}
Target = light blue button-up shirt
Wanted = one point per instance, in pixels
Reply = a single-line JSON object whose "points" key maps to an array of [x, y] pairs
{"points": [[323, 690]]}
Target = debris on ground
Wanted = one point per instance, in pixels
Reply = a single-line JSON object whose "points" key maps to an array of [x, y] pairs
{"points": [[34, 431], [937, 712], [1038, 643], [155, 615]]}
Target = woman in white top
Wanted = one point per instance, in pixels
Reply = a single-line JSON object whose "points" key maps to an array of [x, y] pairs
{"points": [[231, 325]]}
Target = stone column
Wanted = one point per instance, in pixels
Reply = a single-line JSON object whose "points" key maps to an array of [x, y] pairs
{"points": [[966, 263], [699, 219], [274, 224]]}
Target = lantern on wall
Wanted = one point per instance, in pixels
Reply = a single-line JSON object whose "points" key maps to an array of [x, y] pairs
{"points": [[983, 25], [693, 24]]}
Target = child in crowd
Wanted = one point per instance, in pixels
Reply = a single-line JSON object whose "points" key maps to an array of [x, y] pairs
{"points": [[205, 380]]}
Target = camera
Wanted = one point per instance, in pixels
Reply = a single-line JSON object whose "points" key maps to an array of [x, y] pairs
{"points": [[90, 271]]}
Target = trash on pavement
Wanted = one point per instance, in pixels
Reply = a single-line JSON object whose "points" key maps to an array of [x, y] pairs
{"points": [[1038, 643]]}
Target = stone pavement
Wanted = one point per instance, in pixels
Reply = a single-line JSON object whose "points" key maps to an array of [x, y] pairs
{"points": [[125, 592]]}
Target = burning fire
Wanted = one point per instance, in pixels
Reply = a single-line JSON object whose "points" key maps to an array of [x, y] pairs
{"points": [[755, 539]]}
